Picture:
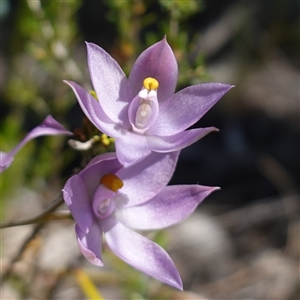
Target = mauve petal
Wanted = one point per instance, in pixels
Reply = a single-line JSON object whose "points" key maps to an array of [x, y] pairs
{"points": [[186, 107], [159, 62], [90, 243], [145, 179], [101, 157], [97, 167], [48, 127], [172, 205], [110, 83], [5, 160], [92, 109], [79, 203], [178, 141], [140, 253], [131, 148]]}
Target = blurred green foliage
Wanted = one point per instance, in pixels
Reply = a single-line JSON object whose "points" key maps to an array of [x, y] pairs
{"points": [[40, 58]]}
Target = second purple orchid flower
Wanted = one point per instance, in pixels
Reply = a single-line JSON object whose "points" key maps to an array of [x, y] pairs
{"points": [[142, 112], [109, 198]]}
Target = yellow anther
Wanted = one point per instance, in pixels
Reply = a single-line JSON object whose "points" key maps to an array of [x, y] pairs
{"points": [[112, 182], [150, 84], [105, 140]]}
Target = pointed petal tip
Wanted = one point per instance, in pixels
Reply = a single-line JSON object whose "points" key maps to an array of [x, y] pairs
{"points": [[226, 86], [90, 244], [207, 190], [178, 284], [90, 45], [216, 188], [211, 190], [71, 84], [93, 259], [141, 253], [90, 255], [5, 160], [230, 86], [96, 261], [68, 82], [214, 129]]}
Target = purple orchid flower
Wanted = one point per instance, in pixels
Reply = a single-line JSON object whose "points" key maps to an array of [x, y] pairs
{"points": [[48, 127], [109, 198], [142, 112]]}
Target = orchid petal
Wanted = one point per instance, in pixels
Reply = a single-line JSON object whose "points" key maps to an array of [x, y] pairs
{"points": [[172, 205], [159, 62], [48, 127], [178, 141], [5, 160], [141, 253], [131, 148], [186, 107], [110, 83], [93, 110], [97, 167], [77, 199], [144, 180], [99, 158], [90, 243]]}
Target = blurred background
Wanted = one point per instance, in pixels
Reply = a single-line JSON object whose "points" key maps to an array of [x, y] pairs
{"points": [[243, 241]]}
